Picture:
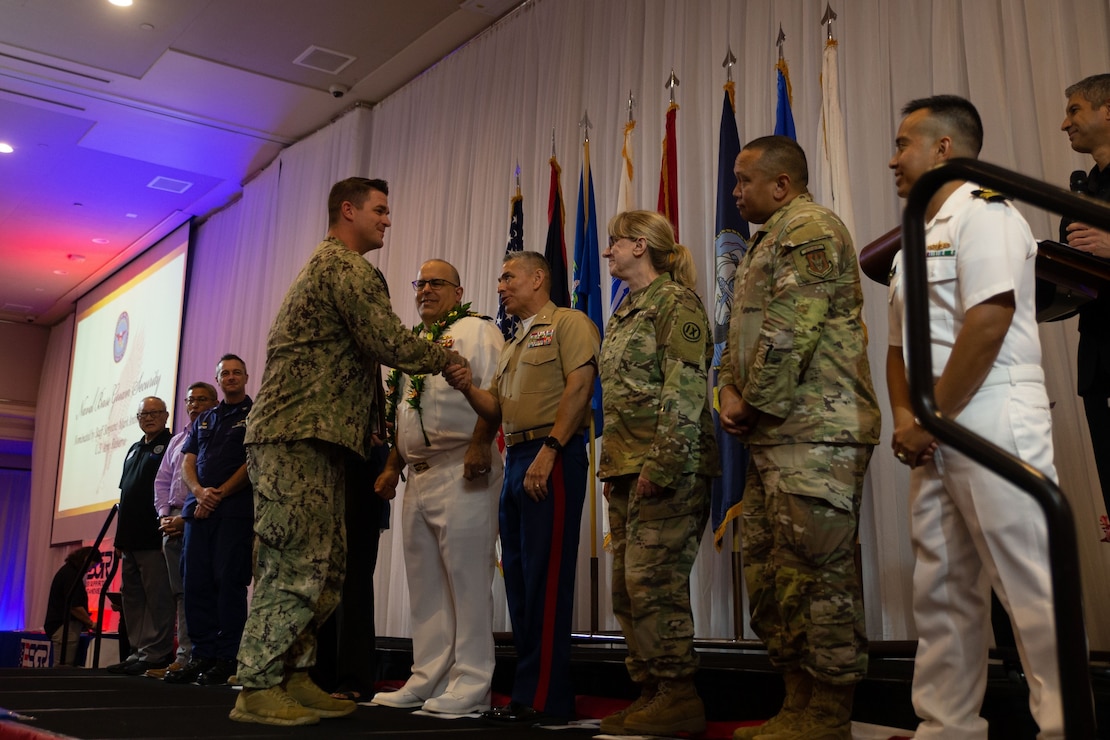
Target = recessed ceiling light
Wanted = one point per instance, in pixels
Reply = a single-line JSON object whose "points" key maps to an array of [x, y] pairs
{"points": [[77, 257], [100, 240], [61, 272], [6, 148], [131, 215], [121, 3], [146, 27]]}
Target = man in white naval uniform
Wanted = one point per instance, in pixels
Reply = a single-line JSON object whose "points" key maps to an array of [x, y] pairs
{"points": [[966, 521], [449, 513]]}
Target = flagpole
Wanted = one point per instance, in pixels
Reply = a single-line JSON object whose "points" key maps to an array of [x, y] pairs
{"points": [[595, 571], [736, 559]]}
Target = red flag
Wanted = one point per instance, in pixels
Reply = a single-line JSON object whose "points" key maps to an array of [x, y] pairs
{"points": [[668, 173]]}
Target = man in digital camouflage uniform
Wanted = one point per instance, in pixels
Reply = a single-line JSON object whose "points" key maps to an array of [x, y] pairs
{"points": [[320, 392], [796, 387]]}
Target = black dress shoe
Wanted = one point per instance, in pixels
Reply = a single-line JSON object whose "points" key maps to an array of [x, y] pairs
{"points": [[121, 667], [515, 713], [218, 674], [191, 672]]}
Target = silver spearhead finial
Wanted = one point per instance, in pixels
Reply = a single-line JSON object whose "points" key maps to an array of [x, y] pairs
{"points": [[672, 83], [730, 60]]}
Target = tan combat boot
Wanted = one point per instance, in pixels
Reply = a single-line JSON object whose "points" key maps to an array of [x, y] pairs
{"points": [[315, 699], [676, 707], [272, 706], [828, 716], [799, 686], [613, 724]]}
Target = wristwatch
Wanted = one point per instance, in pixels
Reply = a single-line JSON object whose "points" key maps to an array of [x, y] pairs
{"points": [[553, 444]]}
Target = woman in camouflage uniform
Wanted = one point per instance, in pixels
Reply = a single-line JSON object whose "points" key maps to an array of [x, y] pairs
{"points": [[657, 454]]}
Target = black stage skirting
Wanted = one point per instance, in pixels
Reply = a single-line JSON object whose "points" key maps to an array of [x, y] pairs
{"points": [[735, 681]]}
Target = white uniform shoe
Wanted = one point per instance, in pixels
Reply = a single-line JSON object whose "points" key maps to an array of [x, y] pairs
{"points": [[450, 703], [400, 699]]}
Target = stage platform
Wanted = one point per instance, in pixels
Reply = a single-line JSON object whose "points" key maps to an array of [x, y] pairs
{"points": [[735, 681]]}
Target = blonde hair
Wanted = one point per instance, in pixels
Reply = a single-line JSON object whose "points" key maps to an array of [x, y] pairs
{"points": [[667, 255]]}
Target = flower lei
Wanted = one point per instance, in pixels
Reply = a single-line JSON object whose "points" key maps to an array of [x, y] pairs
{"points": [[416, 382]]}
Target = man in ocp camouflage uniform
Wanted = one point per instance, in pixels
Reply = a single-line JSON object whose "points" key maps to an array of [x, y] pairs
{"points": [[319, 404], [796, 387]]}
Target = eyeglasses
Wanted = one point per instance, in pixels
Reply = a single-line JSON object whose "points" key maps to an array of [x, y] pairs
{"points": [[435, 283], [149, 414], [197, 399]]}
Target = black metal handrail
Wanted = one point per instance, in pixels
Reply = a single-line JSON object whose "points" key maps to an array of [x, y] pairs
{"points": [[1071, 634], [100, 604]]}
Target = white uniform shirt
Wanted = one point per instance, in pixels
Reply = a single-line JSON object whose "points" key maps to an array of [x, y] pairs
{"points": [[975, 249], [448, 418]]}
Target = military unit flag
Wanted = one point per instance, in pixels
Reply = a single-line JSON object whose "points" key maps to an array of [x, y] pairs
{"points": [[668, 172], [619, 288], [784, 117], [730, 245], [587, 265], [555, 249]]}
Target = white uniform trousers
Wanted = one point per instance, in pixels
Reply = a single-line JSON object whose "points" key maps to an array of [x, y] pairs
{"points": [[968, 522], [449, 525]]}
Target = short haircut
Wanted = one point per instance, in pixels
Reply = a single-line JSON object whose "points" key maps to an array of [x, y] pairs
{"points": [[451, 268], [231, 356], [207, 388], [531, 261], [957, 116], [352, 190], [781, 154], [1094, 89]]}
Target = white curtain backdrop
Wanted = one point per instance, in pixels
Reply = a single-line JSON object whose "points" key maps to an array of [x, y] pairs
{"points": [[449, 142]]}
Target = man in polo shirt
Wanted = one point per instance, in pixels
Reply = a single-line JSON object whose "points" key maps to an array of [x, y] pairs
{"points": [[541, 395], [148, 607]]}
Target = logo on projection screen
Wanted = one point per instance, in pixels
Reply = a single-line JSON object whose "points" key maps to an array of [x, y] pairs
{"points": [[119, 341]]}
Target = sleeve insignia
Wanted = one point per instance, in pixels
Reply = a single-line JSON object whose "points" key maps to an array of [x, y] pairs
{"points": [[991, 196], [691, 332], [814, 260]]}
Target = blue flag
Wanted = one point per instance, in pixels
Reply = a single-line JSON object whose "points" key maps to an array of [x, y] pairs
{"points": [[508, 324], [587, 269], [730, 246], [784, 117]]}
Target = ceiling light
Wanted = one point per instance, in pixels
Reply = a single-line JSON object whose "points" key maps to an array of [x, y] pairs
{"points": [[100, 240], [78, 257], [60, 272], [6, 148], [121, 3]]}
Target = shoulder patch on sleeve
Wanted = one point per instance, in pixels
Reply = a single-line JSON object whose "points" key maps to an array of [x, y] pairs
{"points": [[814, 262], [687, 336]]}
